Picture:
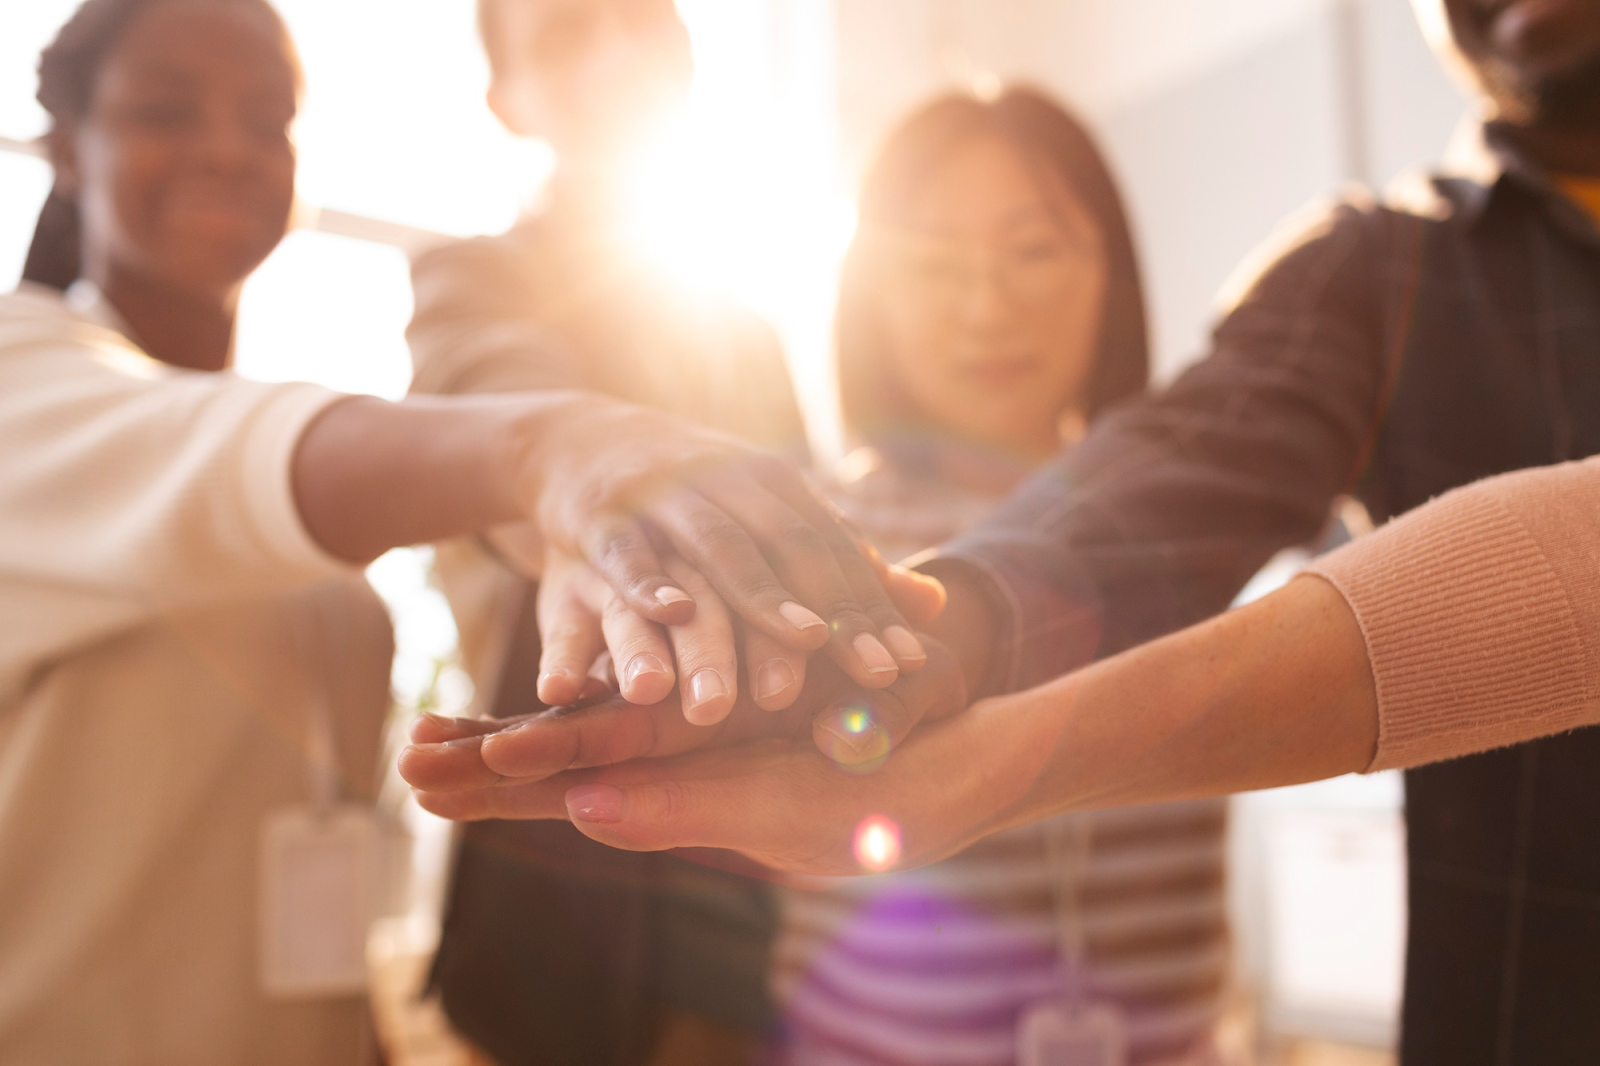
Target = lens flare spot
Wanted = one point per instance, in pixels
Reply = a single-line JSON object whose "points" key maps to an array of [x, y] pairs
{"points": [[850, 736], [877, 843]]}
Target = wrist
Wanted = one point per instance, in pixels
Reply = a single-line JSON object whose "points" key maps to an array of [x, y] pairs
{"points": [[527, 452], [1000, 769]]}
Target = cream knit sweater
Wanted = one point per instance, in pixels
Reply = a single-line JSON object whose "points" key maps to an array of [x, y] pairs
{"points": [[165, 626], [1481, 612]]}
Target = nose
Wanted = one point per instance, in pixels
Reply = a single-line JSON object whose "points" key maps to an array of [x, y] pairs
{"points": [[225, 144], [985, 303]]}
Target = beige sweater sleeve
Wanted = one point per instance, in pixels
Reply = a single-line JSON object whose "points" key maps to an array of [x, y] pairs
{"points": [[1481, 614], [129, 489]]}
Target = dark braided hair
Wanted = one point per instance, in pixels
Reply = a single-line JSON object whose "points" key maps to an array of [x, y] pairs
{"points": [[69, 68]]}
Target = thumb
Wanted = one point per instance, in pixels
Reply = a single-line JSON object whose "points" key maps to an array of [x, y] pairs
{"points": [[918, 597], [644, 817]]}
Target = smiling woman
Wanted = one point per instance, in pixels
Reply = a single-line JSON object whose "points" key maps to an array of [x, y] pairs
{"points": [[174, 150]]}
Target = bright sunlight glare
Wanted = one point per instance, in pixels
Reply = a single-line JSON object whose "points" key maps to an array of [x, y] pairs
{"points": [[877, 843], [743, 194]]}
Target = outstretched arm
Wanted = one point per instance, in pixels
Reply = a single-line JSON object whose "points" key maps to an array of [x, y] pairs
{"points": [[1471, 623], [1273, 693], [610, 482]]}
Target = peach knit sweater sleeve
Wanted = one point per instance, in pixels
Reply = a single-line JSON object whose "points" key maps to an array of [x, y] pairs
{"points": [[1481, 614]]}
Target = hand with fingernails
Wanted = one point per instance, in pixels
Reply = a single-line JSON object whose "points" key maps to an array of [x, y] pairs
{"points": [[473, 768], [671, 517], [581, 617]]}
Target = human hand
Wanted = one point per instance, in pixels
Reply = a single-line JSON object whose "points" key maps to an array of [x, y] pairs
{"points": [[617, 484], [783, 803], [582, 617], [476, 765]]}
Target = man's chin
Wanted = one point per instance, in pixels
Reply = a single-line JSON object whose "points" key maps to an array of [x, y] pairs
{"points": [[1564, 98]]}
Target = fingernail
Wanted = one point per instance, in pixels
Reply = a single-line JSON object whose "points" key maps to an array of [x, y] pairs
{"points": [[640, 665], [873, 655], [906, 647], [595, 803], [666, 596], [555, 675], [857, 742], [800, 617], [774, 677], [705, 686], [437, 719]]}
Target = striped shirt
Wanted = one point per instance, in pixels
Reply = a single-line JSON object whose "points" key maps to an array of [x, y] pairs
{"points": [[934, 966]]}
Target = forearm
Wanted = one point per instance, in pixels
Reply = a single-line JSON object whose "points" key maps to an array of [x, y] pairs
{"points": [[1275, 693], [370, 475]]}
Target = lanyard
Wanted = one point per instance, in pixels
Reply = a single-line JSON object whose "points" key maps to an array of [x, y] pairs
{"points": [[1068, 845], [322, 762]]}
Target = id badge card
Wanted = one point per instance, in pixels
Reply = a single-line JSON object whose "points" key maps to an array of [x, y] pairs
{"points": [[318, 875], [1063, 1034]]}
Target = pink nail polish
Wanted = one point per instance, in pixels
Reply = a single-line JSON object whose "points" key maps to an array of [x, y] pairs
{"points": [[601, 804]]}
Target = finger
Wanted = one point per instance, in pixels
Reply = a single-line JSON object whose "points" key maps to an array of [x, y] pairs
{"points": [[703, 649], [864, 567], [619, 550], [436, 728], [776, 674], [919, 597], [452, 766], [851, 547], [732, 562], [861, 729], [562, 739], [703, 528], [570, 638], [640, 653], [506, 799], [753, 800], [853, 556]]}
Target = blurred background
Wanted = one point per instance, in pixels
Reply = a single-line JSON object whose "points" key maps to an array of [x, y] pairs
{"points": [[1220, 118]]}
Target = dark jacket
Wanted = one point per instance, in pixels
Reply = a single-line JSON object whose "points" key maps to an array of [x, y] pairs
{"points": [[1393, 349]]}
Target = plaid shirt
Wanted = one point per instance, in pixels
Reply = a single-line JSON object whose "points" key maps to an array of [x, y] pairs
{"points": [[1394, 350]]}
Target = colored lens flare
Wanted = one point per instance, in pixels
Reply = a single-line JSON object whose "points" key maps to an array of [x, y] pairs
{"points": [[851, 738], [877, 843], [856, 720]]}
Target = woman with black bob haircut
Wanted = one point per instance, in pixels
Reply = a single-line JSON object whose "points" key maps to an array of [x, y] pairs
{"points": [[989, 308]]}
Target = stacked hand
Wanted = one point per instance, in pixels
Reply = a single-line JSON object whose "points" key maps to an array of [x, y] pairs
{"points": [[688, 535], [740, 630], [675, 549], [784, 787]]}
